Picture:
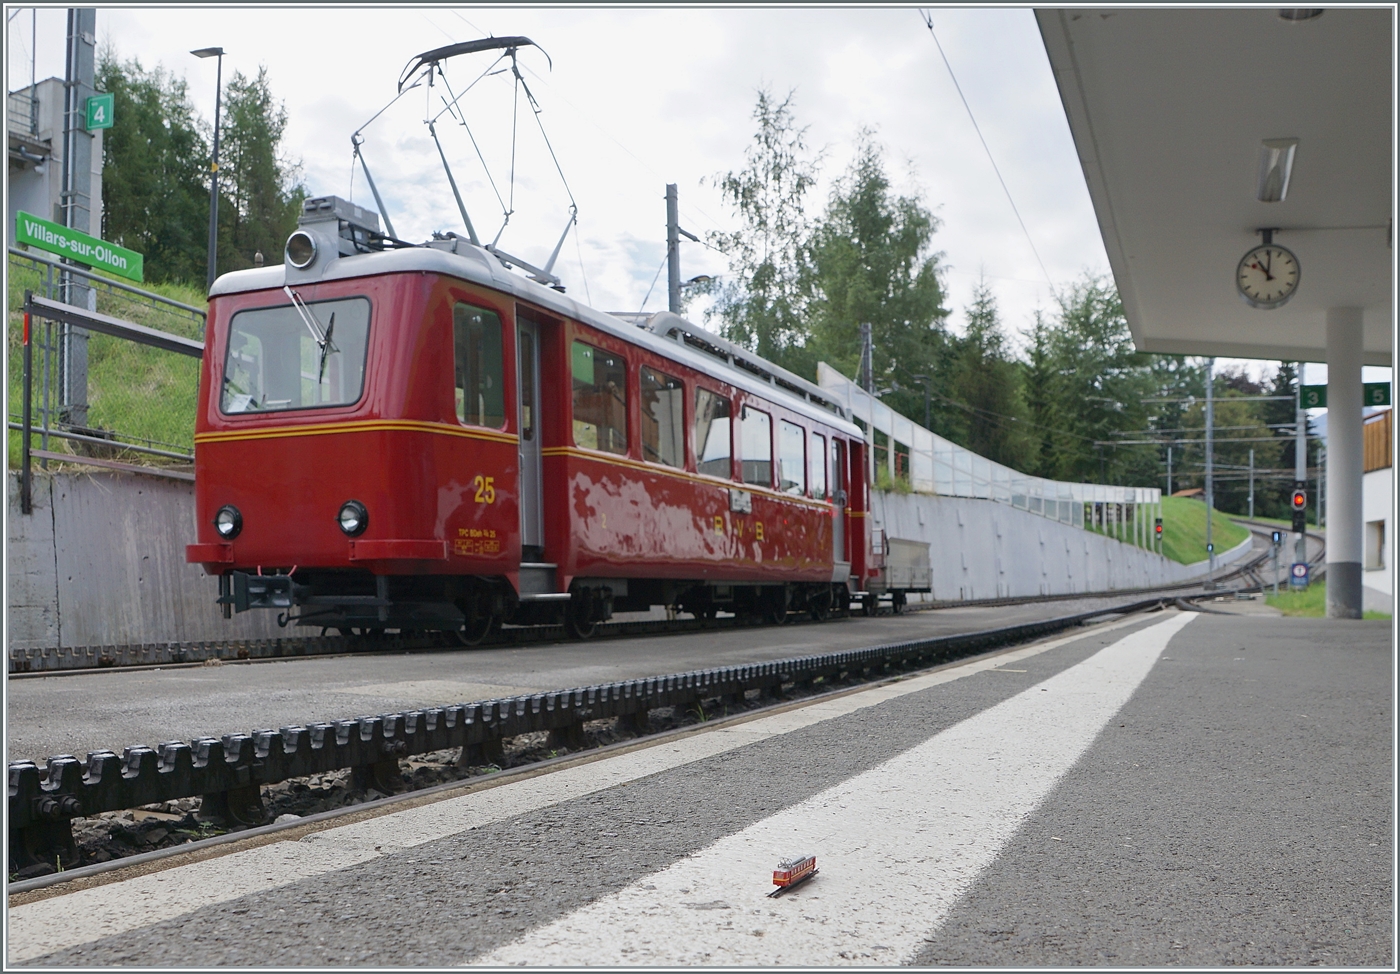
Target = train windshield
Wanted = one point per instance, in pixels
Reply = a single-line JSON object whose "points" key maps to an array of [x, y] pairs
{"points": [[279, 360]]}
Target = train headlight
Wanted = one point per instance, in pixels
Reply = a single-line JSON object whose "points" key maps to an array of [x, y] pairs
{"points": [[301, 250], [353, 518], [228, 522]]}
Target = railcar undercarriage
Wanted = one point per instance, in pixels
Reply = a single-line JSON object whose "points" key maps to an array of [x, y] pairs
{"points": [[471, 607]]}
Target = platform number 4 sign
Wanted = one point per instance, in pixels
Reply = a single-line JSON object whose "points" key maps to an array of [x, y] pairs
{"points": [[99, 112]]}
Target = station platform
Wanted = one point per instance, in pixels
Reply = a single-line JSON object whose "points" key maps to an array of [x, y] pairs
{"points": [[1176, 788]]}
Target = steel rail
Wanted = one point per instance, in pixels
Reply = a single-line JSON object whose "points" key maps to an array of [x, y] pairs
{"points": [[55, 660], [44, 801]]}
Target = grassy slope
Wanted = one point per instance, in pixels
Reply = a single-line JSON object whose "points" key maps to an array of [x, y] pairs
{"points": [[140, 391], [1309, 603], [1184, 530]]}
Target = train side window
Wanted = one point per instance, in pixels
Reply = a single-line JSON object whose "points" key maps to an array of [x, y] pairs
{"points": [[756, 447], [600, 399], [476, 340], [663, 418], [792, 458], [712, 434], [818, 466]]}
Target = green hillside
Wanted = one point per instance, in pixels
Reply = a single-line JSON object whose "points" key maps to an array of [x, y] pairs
{"points": [[1184, 530], [144, 393]]}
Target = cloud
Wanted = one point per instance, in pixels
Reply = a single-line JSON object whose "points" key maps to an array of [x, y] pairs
{"points": [[640, 98]]}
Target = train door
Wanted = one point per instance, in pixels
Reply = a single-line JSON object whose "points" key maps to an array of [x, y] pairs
{"points": [[527, 346], [838, 500]]}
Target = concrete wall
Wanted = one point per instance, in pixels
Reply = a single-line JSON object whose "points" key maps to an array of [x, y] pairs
{"points": [[984, 550], [40, 193], [101, 561]]}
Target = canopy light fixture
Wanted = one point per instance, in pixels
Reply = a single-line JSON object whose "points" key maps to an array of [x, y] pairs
{"points": [[1275, 169], [1297, 14]]}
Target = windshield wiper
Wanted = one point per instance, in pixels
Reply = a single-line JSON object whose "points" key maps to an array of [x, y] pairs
{"points": [[321, 335], [327, 346]]}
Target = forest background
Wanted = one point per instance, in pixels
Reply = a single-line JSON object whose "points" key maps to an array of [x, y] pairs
{"points": [[1070, 400]]}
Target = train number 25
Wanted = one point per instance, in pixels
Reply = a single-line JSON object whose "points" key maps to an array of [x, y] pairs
{"points": [[485, 489]]}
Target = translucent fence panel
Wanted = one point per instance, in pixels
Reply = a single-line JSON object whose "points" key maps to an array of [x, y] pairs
{"points": [[938, 466]]}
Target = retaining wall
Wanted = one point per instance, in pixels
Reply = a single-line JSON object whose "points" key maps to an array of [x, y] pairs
{"points": [[101, 561], [980, 549]]}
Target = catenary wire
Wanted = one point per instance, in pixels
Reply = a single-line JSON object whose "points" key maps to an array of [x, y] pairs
{"points": [[928, 20]]}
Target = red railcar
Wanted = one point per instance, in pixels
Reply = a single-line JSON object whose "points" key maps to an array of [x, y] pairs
{"points": [[420, 438]]}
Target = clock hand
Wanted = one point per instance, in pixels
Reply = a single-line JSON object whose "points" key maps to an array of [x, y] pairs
{"points": [[1268, 276]]}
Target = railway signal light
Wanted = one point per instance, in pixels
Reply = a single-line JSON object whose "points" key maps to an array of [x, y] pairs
{"points": [[1300, 509], [1157, 527], [1277, 537]]}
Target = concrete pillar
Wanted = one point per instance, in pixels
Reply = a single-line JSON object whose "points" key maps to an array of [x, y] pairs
{"points": [[1344, 525]]}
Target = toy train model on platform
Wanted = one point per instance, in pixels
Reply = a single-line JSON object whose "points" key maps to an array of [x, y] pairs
{"points": [[417, 437]]}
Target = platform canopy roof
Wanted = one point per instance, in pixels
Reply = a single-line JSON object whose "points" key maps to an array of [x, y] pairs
{"points": [[1169, 110]]}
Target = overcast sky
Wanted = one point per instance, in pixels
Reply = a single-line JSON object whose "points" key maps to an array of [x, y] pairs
{"points": [[636, 99]]}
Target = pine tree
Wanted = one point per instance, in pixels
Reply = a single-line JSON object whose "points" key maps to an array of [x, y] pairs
{"points": [[987, 383], [154, 196], [1103, 381], [1041, 397], [260, 191], [870, 261]]}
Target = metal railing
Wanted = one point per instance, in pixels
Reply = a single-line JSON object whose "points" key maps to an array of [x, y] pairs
{"points": [[97, 372], [22, 113]]}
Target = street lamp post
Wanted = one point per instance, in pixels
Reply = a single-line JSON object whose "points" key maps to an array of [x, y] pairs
{"points": [[215, 52]]}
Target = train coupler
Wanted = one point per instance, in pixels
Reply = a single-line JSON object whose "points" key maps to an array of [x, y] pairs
{"points": [[242, 591]]}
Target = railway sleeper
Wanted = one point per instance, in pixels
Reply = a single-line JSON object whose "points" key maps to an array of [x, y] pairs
{"points": [[234, 808]]}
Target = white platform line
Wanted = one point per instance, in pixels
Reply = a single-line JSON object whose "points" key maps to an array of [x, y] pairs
{"points": [[47, 925], [896, 846]]}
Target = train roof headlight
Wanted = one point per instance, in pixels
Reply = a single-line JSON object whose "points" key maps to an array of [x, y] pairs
{"points": [[353, 518], [228, 522], [301, 250]]}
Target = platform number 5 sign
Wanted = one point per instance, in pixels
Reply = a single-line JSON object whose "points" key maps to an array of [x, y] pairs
{"points": [[99, 112]]}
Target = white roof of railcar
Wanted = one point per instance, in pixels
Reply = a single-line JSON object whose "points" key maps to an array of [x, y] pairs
{"points": [[479, 266]]}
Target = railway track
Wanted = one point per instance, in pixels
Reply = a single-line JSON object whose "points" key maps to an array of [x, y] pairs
{"points": [[229, 775], [50, 661], [1250, 571]]}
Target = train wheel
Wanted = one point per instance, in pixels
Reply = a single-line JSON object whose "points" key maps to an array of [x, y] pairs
{"points": [[899, 603], [479, 621], [870, 605], [774, 605], [578, 628], [579, 621], [820, 606]]}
